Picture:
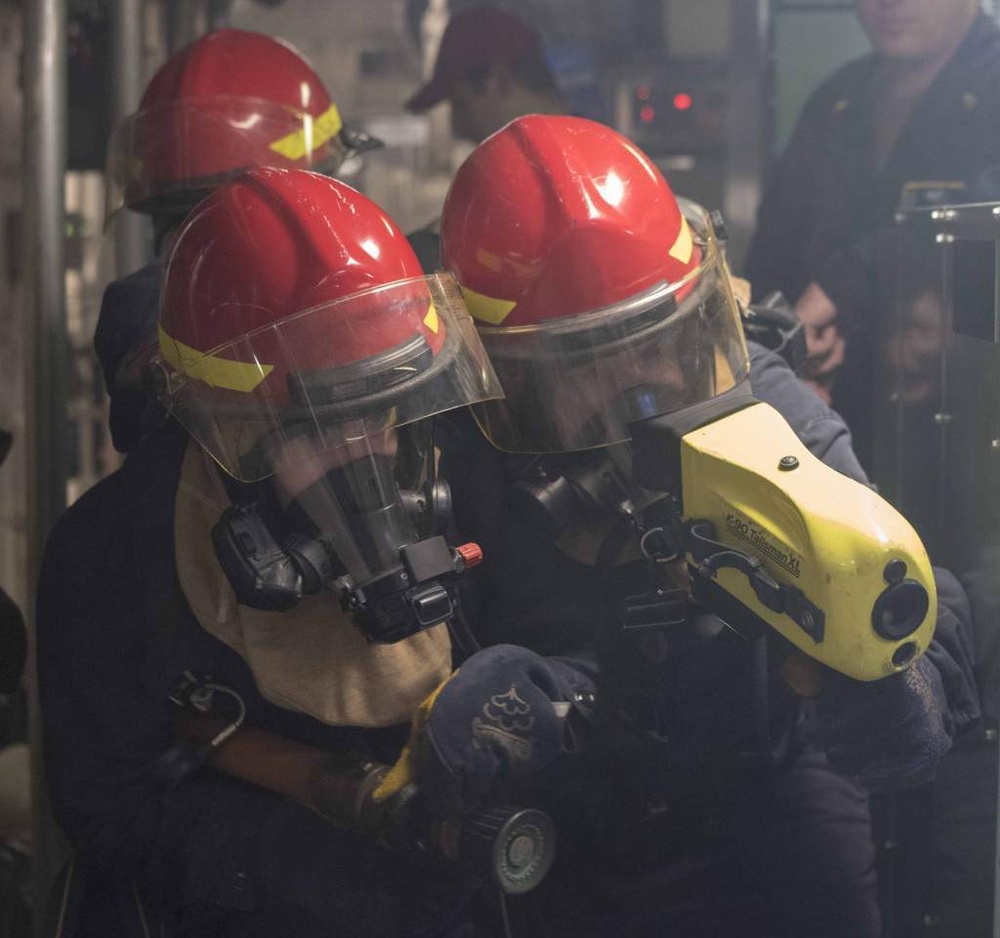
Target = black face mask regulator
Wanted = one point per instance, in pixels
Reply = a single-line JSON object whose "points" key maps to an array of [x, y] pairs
{"points": [[272, 564], [547, 491]]}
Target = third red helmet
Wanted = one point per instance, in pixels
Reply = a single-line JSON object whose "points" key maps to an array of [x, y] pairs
{"points": [[229, 101]]}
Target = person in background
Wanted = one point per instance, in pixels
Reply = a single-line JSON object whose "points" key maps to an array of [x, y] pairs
{"points": [[490, 68], [915, 122], [229, 101]]}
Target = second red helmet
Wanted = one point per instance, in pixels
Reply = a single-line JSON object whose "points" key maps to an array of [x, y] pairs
{"points": [[601, 298]]}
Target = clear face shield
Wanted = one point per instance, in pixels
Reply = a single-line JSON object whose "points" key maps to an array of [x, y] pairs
{"points": [[161, 158], [576, 383], [363, 500], [344, 443]]}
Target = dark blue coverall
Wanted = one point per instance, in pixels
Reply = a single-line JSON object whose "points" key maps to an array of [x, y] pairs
{"points": [[209, 856]]}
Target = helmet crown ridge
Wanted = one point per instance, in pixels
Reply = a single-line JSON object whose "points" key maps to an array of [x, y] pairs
{"points": [[239, 63], [555, 216], [276, 243]]}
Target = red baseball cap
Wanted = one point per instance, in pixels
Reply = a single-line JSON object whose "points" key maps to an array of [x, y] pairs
{"points": [[475, 37]]}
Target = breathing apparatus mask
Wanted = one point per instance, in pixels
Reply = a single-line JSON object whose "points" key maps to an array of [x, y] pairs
{"points": [[576, 384], [334, 519]]}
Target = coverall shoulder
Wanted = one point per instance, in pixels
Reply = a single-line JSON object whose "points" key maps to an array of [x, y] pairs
{"points": [[210, 855]]}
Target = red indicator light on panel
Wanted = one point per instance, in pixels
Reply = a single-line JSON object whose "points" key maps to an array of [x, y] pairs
{"points": [[682, 101], [647, 113], [643, 92]]}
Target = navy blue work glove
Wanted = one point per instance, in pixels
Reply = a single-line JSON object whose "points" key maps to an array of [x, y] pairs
{"points": [[886, 734], [504, 714]]}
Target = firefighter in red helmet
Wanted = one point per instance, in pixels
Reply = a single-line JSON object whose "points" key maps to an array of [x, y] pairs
{"points": [[229, 101], [272, 559], [299, 340], [701, 779]]}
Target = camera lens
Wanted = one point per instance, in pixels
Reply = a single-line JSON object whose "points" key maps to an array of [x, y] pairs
{"points": [[900, 609]]}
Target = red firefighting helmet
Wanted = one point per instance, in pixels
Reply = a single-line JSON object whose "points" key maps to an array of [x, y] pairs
{"points": [[229, 101], [600, 297], [292, 304]]}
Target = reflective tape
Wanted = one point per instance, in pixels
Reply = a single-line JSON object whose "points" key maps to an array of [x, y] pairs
{"points": [[311, 136], [681, 249], [432, 321], [212, 370], [486, 308]]}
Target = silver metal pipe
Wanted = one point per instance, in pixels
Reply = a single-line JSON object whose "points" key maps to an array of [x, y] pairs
{"points": [[132, 247], [45, 134], [45, 221]]}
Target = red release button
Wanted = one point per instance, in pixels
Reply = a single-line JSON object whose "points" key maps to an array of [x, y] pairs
{"points": [[471, 554]]}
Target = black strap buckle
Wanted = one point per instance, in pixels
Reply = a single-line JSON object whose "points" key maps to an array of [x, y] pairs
{"points": [[660, 610]]}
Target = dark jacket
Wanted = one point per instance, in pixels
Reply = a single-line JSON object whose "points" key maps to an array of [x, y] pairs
{"points": [[127, 323], [823, 198], [211, 856]]}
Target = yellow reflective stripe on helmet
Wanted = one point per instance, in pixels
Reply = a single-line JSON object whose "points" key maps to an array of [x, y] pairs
{"points": [[432, 321], [681, 249], [214, 371], [486, 308], [311, 136]]}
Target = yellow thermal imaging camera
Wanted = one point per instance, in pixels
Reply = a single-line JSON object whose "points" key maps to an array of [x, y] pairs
{"points": [[774, 537]]}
